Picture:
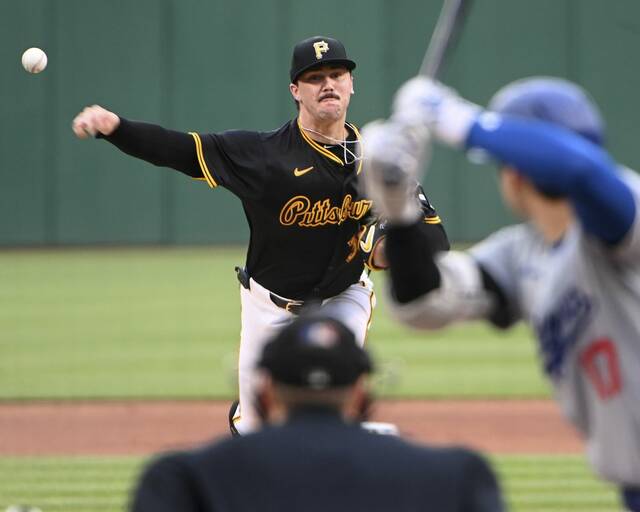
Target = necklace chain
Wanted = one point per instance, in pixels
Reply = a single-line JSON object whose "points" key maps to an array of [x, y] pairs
{"points": [[342, 143]]}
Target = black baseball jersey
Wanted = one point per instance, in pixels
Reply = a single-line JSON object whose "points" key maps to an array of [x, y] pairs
{"points": [[301, 203], [300, 199]]}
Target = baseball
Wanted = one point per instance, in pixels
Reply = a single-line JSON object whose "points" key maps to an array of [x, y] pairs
{"points": [[34, 60]]}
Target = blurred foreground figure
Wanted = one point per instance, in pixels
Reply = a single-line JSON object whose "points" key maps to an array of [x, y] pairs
{"points": [[571, 270], [312, 455]]}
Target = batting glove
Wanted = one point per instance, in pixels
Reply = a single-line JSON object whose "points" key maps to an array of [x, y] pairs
{"points": [[395, 154], [447, 115]]}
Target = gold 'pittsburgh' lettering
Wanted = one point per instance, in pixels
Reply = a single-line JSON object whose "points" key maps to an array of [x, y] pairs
{"points": [[295, 206], [299, 211]]}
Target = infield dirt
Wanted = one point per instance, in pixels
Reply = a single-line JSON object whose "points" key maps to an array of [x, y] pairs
{"points": [[144, 427]]}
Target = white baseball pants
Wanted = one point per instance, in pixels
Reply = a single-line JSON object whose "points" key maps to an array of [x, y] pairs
{"points": [[261, 319]]}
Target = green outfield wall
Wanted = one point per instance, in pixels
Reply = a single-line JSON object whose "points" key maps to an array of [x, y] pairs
{"points": [[209, 65]]}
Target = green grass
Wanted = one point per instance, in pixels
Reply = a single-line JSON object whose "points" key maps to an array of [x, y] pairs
{"points": [[165, 323], [531, 484], [553, 484], [68, 484]]}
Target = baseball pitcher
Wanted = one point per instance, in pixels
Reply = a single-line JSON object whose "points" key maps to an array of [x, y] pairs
{"points": [[311, 231]]}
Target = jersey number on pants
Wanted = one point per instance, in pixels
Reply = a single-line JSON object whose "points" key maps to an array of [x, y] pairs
{"points": [[600, 362]]}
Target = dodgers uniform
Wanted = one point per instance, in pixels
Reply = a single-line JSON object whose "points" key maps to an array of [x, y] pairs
{"points": [[583, 301], [580, 293]]}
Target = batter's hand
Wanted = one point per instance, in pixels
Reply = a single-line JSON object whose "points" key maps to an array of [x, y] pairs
{"points": [[93, 120], [395, 154], [427, 101]]}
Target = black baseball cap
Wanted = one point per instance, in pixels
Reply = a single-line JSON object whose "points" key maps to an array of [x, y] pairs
{"points": [[318, 51], [315, 352]]}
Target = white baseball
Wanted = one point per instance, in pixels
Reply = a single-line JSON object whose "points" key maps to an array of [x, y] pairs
{"points": [[34, 60]]}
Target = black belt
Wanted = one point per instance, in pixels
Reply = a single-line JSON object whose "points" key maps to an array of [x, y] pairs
{"points": [[292, 306]]}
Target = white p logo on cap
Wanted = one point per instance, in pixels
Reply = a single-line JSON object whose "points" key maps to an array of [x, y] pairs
{"points": [[320, 47]]}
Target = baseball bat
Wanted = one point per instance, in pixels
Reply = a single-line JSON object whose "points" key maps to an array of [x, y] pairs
{"points": [[444, 37]]}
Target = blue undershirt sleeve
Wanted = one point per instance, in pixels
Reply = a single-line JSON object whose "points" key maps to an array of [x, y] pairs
{"points": [[562, 163]]}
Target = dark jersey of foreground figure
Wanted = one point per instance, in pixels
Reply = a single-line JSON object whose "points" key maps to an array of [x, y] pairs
{"points": [[317, 463], [300, 199]]}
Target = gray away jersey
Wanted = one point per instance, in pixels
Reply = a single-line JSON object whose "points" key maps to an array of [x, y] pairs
{"points": [[582, 299]]}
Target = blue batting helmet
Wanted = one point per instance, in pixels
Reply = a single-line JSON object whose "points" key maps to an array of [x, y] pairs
{"points": [[554, 100]]}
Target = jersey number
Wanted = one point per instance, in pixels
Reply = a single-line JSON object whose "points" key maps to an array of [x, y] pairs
{"points": [[600, 362]]}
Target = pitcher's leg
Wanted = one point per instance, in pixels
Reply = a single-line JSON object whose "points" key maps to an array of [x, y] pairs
{"points": [[260, 321]]}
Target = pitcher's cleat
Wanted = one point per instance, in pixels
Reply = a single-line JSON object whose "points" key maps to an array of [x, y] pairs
{"points": [[234, 415], [384, 429]]}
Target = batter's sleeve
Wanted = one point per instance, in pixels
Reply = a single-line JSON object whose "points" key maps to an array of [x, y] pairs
{"points": [[432, 226], [233, 159], [562, 163], [165, 486], [429, 290]]}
